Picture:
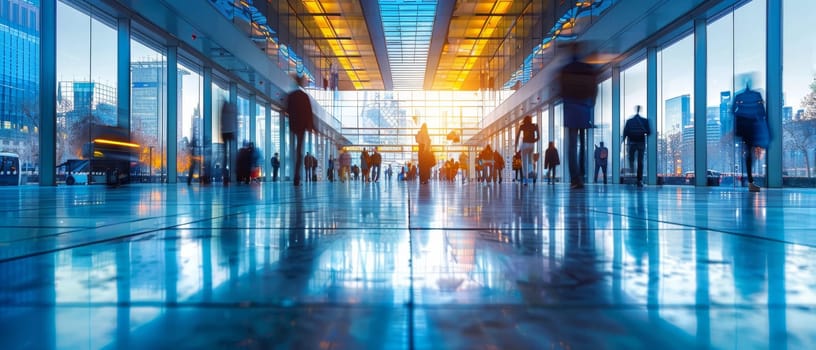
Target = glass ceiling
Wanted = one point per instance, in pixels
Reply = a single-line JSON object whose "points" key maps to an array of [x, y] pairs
{"points": [[408, 25]]}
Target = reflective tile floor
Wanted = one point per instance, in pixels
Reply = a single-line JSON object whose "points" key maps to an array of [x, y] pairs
{"points": [[402, 266]]}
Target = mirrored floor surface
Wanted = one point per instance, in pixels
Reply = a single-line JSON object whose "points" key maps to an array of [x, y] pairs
{"points": [[406, 266]]}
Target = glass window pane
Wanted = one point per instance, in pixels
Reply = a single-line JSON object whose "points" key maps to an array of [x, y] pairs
{"points": [[735, 58], [19, 91], [148, 74], [633, 94], [86, 84], [189, 121], [675, 120], [799, 91]]}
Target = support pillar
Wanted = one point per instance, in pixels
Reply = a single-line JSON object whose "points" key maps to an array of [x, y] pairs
{"points": [[48, 93], [700, 100], [615, 147], [773, 77], [207, 111], [123, 73], [172, 114], [651, 113]]}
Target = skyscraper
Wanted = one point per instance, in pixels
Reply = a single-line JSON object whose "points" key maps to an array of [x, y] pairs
{"points": [[726, 120], [19, 77]]}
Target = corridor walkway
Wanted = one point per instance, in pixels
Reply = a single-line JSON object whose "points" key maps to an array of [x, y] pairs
{"points": [[403, 266]]}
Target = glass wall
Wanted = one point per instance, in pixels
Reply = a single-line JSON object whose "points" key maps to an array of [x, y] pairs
{"points": [[189, 120], [148, 91], [675, 118], [19, 85], [260, 137], [799, 93], [633, 94], [220, 95], [558, 139], [391, 119], [243, 121], [603, 125], [543, 120], [736, 58], [86, 80]]}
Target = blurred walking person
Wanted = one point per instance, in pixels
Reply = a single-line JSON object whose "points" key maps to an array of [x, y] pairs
{"points": [[551, 160], [529, 136], [579, 87], [301, 119]]}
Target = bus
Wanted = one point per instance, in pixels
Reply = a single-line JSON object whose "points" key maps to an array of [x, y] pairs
{"points": [[10, 174]]}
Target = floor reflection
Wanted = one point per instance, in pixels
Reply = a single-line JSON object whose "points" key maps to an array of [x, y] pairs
{"points": [[396, 265]]}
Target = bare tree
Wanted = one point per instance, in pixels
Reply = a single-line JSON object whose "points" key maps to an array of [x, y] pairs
{"points": [[800, 135], [31, 112]]}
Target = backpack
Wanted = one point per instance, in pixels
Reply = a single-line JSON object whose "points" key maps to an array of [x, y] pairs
{"points": [[635, 128], [604, 153], [749, 104]]}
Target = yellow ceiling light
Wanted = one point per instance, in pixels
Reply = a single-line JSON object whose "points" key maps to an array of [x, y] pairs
{"points": [[482, 31], [502, 7], [313, 6]]}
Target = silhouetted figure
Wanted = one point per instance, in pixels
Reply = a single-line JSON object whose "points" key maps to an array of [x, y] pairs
{"points": [[498, 164], [487, 161], [307, 164], [424, 154], [751, 126], [529, 136], [275, 167], [579, 87], [516, 165], [464, 164], [330, 169], [229, 126], [635, 131], [365, 165], [244, 163], [551, 160], [601, 161], [376, 164], [301, 119], [345, 166]]}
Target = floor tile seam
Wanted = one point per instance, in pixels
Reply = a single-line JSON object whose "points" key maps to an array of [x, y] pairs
{"points": [[344, 228], [428, 306], [85, 228], [546, 229], [84, 244], [248, 305], [721, 231], [570, 305]]}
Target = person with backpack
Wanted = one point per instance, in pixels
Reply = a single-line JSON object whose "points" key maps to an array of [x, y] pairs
{"points": [[528, 132], [517, 174], [601, 161], [751, 126], [635, 131]]}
